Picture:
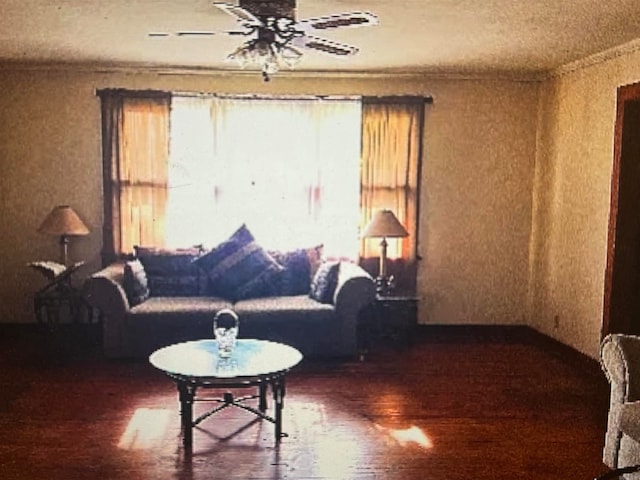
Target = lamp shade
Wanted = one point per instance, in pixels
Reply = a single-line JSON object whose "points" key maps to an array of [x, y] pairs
{"points": [[384, 224], [63, 221]]}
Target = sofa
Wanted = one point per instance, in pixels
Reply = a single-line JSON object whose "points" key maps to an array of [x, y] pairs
{"points": [[620, 361], [159, 297]]}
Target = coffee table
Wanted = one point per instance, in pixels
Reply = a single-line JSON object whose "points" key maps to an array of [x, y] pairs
{"points": [[253, 363]]}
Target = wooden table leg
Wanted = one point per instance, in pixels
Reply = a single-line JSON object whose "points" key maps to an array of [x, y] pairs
{"points": [[186, 394], [278, 387], [262, 405]]}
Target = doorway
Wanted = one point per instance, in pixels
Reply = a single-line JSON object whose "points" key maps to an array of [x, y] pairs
{"points": [[621, 313]]}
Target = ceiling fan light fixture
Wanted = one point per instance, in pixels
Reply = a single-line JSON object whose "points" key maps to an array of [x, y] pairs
{"points": [[270, 67], [241, 56], [290, 56], [276, 33], [270, 56]]}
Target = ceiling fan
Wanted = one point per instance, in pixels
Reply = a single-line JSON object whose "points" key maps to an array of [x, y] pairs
{"points": [[275, 37]]}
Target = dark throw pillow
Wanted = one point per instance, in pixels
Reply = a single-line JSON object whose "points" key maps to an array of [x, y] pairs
{"points": [[135, 282], [299, 268], [239, 268], [171, 272], [325, 281]]}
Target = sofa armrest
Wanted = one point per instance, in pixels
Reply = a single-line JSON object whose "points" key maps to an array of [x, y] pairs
{"points": [[104, 290], [620, 361], [355, 291]]}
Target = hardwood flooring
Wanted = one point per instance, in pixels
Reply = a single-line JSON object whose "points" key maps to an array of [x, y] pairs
{"points": [[460, 403]]}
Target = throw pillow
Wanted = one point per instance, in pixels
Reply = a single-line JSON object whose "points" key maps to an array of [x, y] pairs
{"points": [[299, 266], [171, 272], [325, 282], [239, 268], [135, 282]]}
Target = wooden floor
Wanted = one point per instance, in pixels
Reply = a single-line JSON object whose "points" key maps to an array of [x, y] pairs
{"points": [[470, 403]]}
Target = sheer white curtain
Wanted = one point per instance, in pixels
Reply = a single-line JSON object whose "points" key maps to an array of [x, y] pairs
{"points": [[287, 168]]}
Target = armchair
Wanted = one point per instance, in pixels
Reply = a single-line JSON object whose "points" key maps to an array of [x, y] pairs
{"points": [[620, 361], [618, 473]]}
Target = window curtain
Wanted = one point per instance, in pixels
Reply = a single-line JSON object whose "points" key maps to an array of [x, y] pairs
{"points": [[135, 139], [390, 169], [287, 168]]}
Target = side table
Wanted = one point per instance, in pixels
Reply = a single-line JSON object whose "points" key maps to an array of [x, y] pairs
{"points": [[59, 295], [50, 304], [390, 317]]}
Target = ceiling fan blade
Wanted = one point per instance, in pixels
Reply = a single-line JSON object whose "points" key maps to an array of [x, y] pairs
{"points": [[195, 33], [341, 20], [242, 15], [180, 34], [324, 45]]}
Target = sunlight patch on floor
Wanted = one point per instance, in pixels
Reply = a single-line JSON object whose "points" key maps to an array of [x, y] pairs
{"points": [[146, 429], [337, 459], [407, 436]]}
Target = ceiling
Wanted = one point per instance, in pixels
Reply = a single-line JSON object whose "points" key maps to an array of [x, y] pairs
{"points": [[413, 36]]}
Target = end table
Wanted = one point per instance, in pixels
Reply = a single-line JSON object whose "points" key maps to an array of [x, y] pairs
{"points": [[390, 317], [49, 301]]}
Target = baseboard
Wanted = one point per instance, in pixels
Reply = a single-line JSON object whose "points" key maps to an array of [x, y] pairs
{"points": [[567, 353], [473, 333], [509, 334]]}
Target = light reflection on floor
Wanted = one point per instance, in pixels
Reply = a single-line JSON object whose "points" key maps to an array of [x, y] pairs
{"points": [[146, 429], [324, 441], [336, 459], [407, 436]]}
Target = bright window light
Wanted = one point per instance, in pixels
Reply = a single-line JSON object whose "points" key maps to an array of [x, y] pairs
{"points": [[288, 169]]}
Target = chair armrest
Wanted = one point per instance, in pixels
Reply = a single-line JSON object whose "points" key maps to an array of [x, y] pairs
{"points": [[620, 361]]}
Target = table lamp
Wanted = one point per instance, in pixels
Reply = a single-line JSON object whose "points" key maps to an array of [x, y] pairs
{"points": [[384, 224], [62, 221]]}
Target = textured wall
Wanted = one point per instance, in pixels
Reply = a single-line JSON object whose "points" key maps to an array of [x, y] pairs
{"points": [[572, 194], [475, 205]]}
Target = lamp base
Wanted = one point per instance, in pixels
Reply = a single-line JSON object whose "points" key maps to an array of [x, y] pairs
{"points": [[64, 247], [385, 285]]}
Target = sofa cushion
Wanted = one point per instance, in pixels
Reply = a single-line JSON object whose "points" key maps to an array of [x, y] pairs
{"points": [[162, 321], [171, 272], [298, 306], [300, 321], [260, 315], [239, 268], [135, 282], [324, 283], [179, 309], [299, 267]]}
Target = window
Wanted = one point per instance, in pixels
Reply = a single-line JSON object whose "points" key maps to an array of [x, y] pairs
{"points": [[188, 169], [135, 128], [391, 152], [289, 169]]}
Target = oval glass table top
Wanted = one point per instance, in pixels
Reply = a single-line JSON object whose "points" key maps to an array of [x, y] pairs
{"points": [[200, 360]]}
